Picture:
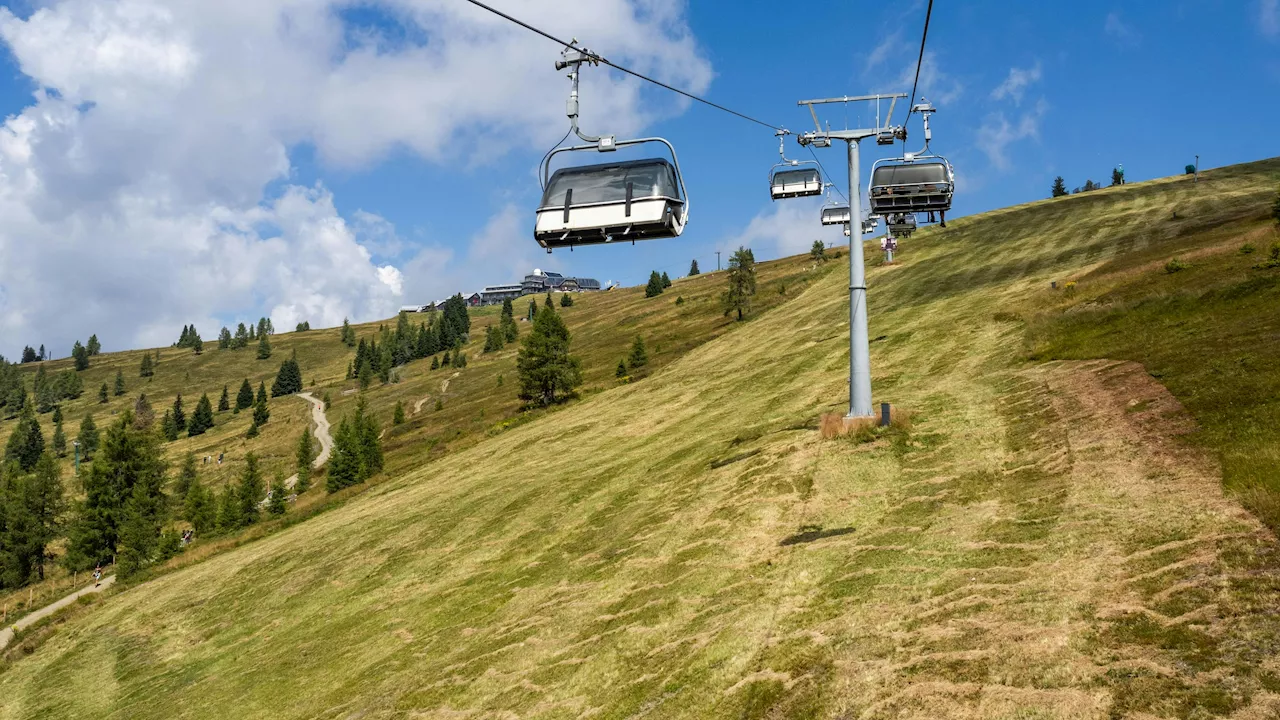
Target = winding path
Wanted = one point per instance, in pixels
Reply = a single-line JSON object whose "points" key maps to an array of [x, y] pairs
{"points": [[322, 434], [6, 634]]}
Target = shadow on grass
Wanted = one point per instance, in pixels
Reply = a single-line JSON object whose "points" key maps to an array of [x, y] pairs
{"points": [[809, 533]]}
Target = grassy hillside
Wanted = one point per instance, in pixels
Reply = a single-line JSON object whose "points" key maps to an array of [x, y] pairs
{"points": [[1036, 544]]}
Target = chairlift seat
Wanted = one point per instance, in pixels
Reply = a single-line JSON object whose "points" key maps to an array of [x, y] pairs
{"points": [[912, 187], [902, 224], [801, 182], [835, 215], [617, 201]]}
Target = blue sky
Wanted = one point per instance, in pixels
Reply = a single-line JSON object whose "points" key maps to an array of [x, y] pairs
{"points": [[1025, 91]]}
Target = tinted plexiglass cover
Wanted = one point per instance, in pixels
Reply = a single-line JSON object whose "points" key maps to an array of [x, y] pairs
{"points": [[915, 174], [795, 177], [608, 183]]}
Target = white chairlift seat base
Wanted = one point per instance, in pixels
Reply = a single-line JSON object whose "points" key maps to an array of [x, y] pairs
{"points": [[650, 219]]}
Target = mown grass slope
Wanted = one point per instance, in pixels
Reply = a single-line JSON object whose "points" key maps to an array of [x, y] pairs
{"points": [[687, 546]]}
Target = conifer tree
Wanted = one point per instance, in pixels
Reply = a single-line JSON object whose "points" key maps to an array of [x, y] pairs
{"points": [[264, 346], [276, 505], [244, 398], [148, 368], [435, 362], [566, 300], [59, 441], [493, 340], [80, 354], [202, 418], [43, 355], [260, 412], [168, 428], [638, 357], [224, 338], [94, 347], [1059, 187], [119, 388], [26, 442], [179, 415], [143, 415], [103, 395], [533, 309], [365, 374], [303, 458], [224, 402], [446, 359], [818, 251], [29, 354], [666, 281], [621, 371], [742, 283], [186, 476], [241, 338], [200, 508], [655, 286], [548, 374], [348, 333], [88, 437], [30, 506], [693, 268], [397, 417], [366, 426], [344, 460], [253, 431], [197, 344], [288, 379], [228, 509], [250, 490]]}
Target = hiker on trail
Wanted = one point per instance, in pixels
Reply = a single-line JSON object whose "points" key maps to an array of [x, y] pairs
{"points": [[219, 458], [97, 575]]}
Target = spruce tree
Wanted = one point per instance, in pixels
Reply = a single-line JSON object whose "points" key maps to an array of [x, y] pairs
{"points": [[197, 344], [250, 491], [533, 309], [276, 505], [348, 333], [548, 374], [43, 354], [288, 379], [119, 388], [228, 509], [344, 460], [186, 476], [200, 508], [87, 437], [638, 357], [224, 402], [303, 458], [59, 441], [264, 347], [365, 374], [666, 281], [202, 418], [260, 412], [80, 354], [143, 415], [621, 370], [244, 398], [366, 426], [655, 286], [29, 354], [148, 368], [168, 428], [94, 347], [179, 415], [253, 431], [103, 396], [741, 279], [397, 417], [224, 339], [566, 300], [241, 338], [26, 442], [435, 362], [693, 268], [1059, 187]]}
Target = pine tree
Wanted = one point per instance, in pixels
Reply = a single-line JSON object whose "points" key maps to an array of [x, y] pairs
{"points": [[742, 283], [29, 510], [26, 442], [693, 268], [566, 300], [123, 498], [103, 395], [638, 357], [81, 356], [260, 412], [1059, 187], [547, 372], [197, 344], [344, 460], [119, 388], [87, 437], [655, 286], [250, 491], [229, 509], [29, 354], [264, 347], [288, 379], [435, 362], [59, 441], [200, 508], [168, 428], [397, 417], [186, 476], [224, 338], [94, 347], [179, 415], [366, 427], [241, 338], [276, 505], [143, 415], [244, 398], [348, 333], [493, 340], [148, 368], [224, 402], [621, 372], [202, 418], [303, 459], [666, 281], [365, 374]]}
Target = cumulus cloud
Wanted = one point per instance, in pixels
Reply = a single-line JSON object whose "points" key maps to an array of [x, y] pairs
{"points": [[936, 84], [787, 228], [147, 184], [1016, 83], [1120, 30], [880, 53], [998, 133]]}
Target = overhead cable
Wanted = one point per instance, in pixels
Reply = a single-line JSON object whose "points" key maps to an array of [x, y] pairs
{"points": [[920, 60]]}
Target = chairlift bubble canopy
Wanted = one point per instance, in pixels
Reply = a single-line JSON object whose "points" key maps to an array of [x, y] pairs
{"points": [[836, 215], [602, 202], [911, 186], [798, 182]]}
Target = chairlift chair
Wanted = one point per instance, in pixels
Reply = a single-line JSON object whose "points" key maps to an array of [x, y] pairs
{"points": [[598, 203], [834, 213], [900, 224], [911, 185], [793, 178]]}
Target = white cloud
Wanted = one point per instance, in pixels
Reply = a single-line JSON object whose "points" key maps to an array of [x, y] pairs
{"points": [[145, 187], [1120, 30], [788, 227], [880, 54], [997, 133], [1269, 17], [1016, 84]]}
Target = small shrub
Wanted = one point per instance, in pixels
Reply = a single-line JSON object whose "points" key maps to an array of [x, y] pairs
{"points": [[1175, 265], [1248, 249], [679, 300], [439, 405], [1069, 288], [499, 381]]}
